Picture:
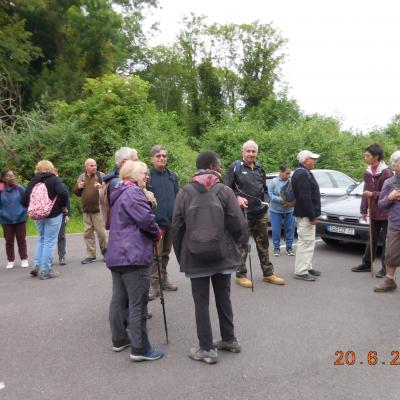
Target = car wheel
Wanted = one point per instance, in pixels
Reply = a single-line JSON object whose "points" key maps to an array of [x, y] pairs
{"points": [[330, 241]]}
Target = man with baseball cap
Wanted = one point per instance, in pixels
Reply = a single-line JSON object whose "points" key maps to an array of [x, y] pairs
{"points": [[307, 209]]}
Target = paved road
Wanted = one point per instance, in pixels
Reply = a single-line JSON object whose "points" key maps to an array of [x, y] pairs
{"points": [[55, 338]]}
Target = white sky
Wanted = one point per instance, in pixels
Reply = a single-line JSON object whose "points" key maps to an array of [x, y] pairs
{"points": [[343, 57]]}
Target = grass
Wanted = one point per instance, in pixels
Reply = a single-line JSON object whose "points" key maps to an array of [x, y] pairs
{"points": [[75, 225]]}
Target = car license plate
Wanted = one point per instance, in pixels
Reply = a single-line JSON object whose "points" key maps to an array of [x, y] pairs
{"points": [[341, 230]]}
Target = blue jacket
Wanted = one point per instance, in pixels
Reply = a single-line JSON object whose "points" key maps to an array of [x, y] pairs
{"points": [[165, 187], [274, 194], [11, 209], [132, 228]]}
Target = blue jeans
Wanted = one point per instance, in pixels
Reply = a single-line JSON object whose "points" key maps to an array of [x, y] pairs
{"points": [[276, 224], [48, 229]]}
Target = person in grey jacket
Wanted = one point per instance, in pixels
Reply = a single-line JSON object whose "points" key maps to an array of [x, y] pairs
{"points": [[389, 199], [217, 267], [133, 230]]}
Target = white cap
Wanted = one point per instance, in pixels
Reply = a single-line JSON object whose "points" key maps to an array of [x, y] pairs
{"points": [[304, 154]]}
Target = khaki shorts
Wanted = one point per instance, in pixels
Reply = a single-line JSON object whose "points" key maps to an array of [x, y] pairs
{"points": [[392, 253]]}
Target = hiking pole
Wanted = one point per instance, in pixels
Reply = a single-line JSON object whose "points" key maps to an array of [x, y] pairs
{"points": [[371, 251], [249, 251], [161, 291]]}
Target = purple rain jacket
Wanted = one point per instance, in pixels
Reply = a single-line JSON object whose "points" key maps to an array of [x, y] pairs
{"points": [[132, 229]]}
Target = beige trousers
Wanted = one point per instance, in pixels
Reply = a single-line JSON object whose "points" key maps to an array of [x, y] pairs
{"points": [[94, 223], [305, 246]]}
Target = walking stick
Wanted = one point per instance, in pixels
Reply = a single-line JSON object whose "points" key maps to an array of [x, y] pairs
{"points": [[371, 251], [249, 251], [161, 291]]}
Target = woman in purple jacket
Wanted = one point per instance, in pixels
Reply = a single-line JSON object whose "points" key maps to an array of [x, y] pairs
{"points": [[129, 257]]}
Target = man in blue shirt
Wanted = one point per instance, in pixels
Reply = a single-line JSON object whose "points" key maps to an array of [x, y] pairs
{"points": [[164, 184]]}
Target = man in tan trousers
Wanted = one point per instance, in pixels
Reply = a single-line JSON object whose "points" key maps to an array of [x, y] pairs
{"points": [[87, 188]]}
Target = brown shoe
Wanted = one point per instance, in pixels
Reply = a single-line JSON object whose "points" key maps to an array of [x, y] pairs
{"points": [[274, 280], [243, 281], [387, 285]]}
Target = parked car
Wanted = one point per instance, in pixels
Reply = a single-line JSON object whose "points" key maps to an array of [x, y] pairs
{"points": [[331, 183], [340, 220]]}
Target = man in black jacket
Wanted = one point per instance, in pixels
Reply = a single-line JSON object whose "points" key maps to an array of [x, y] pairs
{"points": [[247, 179], [307, 209], [204, 259]]}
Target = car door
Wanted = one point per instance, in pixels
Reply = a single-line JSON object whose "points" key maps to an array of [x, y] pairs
{"points": [[326, 184]]}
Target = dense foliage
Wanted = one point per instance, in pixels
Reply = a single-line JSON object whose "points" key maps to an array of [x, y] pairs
{"points": [[78, 80]]}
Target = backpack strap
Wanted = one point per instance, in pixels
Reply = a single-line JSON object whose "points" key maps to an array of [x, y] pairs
{"points": [[99, 177], [237, 168]]}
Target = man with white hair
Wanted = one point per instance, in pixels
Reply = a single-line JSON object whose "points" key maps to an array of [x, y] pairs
{"points": [[87, 188], [246, 177], [389, 199], [307, 209], [121, 155]]}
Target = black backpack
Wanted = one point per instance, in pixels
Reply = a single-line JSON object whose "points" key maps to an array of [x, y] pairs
{"points": [[205, 222]]}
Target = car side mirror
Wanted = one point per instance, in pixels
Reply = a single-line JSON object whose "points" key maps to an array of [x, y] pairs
{"points": [[351, 187]]}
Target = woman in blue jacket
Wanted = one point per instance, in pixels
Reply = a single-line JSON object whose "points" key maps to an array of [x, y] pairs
{"points": [[279, 211], [13, 218]]}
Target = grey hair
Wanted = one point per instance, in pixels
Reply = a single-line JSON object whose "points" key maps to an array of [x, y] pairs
{"points": [[250, 143], [123, 154], [156, 149], [394, 158]]}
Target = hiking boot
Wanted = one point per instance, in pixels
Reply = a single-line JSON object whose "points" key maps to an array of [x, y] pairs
{"points": [[10, 265], [277, 252], [88, 260], [362, 268], [305, 277], [290, 252], [381, 273], [168, 286], [62, 261], [243, 281], [154, 290], [35, 271], [275, 280], [152, 355], [24, 263], [121, 346], [387, 285], [43, 275], [209, 357], [233, 346], [314, 272]]}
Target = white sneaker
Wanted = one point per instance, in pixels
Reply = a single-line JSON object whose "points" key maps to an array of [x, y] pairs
{"points": [[24, 264], [10, 265]]}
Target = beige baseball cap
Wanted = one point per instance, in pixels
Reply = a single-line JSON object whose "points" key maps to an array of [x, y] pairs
{"points": [[304, 154]]}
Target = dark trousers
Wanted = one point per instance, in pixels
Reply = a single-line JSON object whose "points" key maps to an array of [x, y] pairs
{"points": [[62, 242], [201, 295], [164, 246], [130, 286], [12, 231], [376, 228], [258, 227]]}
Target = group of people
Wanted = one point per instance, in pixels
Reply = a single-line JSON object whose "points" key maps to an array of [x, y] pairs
{"points": [[207, 222]]}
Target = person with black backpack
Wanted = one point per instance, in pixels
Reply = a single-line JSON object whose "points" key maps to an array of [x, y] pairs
{"points": [[207, 229]]}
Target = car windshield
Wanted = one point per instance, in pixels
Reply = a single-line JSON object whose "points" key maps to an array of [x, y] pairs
{"points": [[358, 190]]}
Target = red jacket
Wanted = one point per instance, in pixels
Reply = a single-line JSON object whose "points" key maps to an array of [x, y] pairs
{"points": [[374, 183]]}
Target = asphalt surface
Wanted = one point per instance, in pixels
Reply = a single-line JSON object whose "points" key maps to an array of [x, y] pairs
{"points": [[55, 341]]}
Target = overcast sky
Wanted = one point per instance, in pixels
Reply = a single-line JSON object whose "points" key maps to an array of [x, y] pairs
{"points": [[343, 56]]}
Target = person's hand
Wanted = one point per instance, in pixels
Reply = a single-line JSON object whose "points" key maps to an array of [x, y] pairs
{"points": [[66, 219], [367, 193], [394, 195], [81, 184], [364, 217], [242, 202], [98, 185], [313, 221]]}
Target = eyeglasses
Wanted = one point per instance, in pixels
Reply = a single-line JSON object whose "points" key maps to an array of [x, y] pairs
{"points": [[161, 156]]}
